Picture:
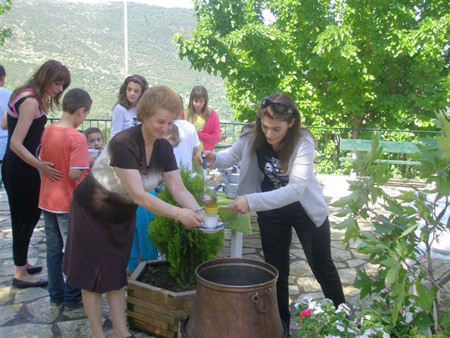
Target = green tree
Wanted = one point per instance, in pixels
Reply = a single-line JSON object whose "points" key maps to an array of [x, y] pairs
{"points": [[5, 32], [346, 62]]}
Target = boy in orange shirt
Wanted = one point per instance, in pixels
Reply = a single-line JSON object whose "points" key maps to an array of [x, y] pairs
{"points": [[67, 149]]}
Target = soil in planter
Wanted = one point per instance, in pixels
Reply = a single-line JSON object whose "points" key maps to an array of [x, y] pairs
{"points": [[160, 277]]}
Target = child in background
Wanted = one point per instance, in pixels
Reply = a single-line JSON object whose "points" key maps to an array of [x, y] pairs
{"points": [[124, 113], [173, 136], [205, 120], [96, 142], [95, 139], [67, 149], [189, 142]]}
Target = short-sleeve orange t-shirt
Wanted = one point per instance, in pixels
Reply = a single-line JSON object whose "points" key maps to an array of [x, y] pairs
{"points": [[67, 149]]}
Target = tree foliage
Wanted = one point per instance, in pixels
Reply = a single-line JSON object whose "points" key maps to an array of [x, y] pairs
{"points": [[5, 32], [346, 62]]}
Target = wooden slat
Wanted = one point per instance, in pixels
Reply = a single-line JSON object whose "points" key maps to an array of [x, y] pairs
{"points": [[148, 317], [181, 313], [136, 285], [149, 327], [387, 146], [155, 322], [390, 147], [399, 147], [160, 299], [399, 162], [157, 312], [151, 306], [355, 145]]}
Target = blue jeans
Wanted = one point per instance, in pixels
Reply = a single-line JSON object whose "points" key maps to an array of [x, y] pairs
{"points": [[56, 236], [141, 243]]}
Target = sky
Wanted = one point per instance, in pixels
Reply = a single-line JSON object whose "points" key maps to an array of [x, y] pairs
{"points": [[268, 17], [161, 3]]}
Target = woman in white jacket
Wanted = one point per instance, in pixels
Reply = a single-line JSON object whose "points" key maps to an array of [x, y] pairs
{"points": [[276, 180]]}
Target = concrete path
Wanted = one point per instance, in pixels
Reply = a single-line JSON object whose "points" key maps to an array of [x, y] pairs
{"points": [[28, 313]]}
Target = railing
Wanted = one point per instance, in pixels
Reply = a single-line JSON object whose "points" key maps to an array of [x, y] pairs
{"points": [[327, 144], [103, 124], [327, 141]]}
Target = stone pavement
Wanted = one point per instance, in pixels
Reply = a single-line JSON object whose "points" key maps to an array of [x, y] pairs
{"points": [[28, 313]]}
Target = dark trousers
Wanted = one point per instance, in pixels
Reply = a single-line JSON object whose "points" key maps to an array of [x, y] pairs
{"points": [[22, 184], [276, 235]]}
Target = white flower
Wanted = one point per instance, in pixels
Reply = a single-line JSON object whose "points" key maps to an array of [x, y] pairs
{"points": [[408, 317], [304, 300], [386, 335], [318, 310], [316, 307], [368, 332], [340, 328]]}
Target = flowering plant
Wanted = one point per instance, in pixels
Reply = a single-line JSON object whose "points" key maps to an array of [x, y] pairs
{"points": [[316, 318]]}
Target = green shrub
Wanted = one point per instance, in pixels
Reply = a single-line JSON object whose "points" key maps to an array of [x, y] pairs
{"points": [[184, 248]]}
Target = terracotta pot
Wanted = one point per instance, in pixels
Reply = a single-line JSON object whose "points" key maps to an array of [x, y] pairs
{"points": [[155, 310]]}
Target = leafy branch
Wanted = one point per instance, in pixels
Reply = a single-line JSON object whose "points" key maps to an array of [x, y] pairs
{"points": [[405, 228]]}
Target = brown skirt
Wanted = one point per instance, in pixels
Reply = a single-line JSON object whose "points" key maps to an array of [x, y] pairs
{"points": [[97, 251]]}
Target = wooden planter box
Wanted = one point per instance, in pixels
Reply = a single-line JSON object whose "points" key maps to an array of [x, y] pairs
{"points": [[155, 310]]}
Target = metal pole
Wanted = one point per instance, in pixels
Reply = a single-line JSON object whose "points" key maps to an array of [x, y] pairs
{"points": [[125, 33]]}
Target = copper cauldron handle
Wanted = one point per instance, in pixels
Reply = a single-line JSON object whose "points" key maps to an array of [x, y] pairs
{"points": [[255, 299]]}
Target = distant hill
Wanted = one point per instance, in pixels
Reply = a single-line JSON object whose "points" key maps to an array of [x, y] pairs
{"points": [[88, 38]]}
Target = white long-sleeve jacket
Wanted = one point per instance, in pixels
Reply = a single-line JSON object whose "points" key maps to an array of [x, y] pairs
{"points": [[303, 185]]}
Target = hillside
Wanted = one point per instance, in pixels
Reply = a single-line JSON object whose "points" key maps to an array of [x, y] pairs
{"points": [[88, 38]]}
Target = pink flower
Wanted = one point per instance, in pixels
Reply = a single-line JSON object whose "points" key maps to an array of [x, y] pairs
{"points": [[318, 335], [306, 313]]}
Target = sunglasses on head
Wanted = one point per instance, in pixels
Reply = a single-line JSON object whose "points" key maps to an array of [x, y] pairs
{"points": [[280, 107]]}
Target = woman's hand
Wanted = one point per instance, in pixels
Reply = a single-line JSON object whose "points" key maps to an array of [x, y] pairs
{"points": [[209, 155], [48, 170], [189, 218], [240, 204]]}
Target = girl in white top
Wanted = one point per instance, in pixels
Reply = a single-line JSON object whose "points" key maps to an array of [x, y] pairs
{"points": [[124, 113]]}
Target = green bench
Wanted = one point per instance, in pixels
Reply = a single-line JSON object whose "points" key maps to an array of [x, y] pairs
{"points": [[222, 146], [389, 147]]}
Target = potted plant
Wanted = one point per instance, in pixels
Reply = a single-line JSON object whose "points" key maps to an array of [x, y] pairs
{"points": [[406, 227], [159, 309]]}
